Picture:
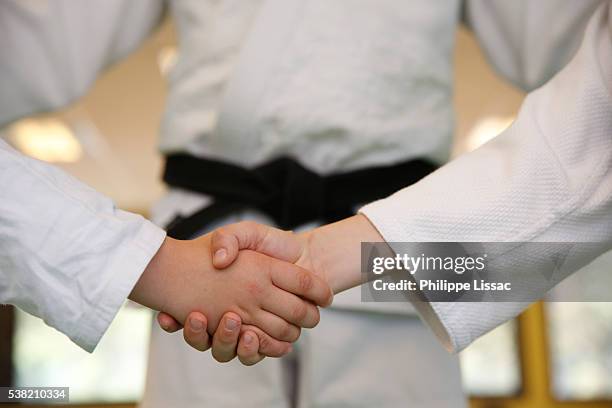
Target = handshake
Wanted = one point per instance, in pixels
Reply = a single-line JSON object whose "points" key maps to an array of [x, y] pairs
{"points": [[251, 287]]}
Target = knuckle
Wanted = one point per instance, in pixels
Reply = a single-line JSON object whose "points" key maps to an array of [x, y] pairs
{"points": [[305, 281], [264, 343], [330, 296], [254, 288], [295, 334], [285, 331], [316, 318], [289, 333], [219, 234], [299, 312], [274, 348], [246, 353], [247, 224], [317, 315]]}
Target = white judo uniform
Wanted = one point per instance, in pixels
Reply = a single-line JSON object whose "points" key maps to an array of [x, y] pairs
{"points": [[337, 86]]}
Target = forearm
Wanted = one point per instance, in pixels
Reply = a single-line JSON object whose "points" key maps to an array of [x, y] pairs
{"points": [[69, 255]]}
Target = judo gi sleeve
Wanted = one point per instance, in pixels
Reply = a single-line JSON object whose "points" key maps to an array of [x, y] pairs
{"points": [[67, 254], [527, 41], [547, 178], [53, 50]]}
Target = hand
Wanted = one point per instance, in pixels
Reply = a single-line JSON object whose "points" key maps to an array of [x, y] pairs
{"points": [[226, 345], [332, 252], [251, 349], [261, 290]]}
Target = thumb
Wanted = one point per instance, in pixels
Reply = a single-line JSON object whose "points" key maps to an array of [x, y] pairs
{"points": [[224, 245], [227, 241]]}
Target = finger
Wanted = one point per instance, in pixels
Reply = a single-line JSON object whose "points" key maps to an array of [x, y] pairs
{"points": [[225, 339], [228, 240], [248, 349], [301, 282], [276, 326], [291, 308], [167, 322], [195, 333], [268, 345]]}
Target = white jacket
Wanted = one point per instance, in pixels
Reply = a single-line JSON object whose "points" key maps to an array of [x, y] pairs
{"points": [[67, 254], [548, 178], [384, 67]]}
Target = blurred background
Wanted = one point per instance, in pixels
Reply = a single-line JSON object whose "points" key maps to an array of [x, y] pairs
{"points": [[555, 354]]}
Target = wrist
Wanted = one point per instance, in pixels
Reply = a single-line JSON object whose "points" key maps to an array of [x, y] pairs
{"points": [[151, 288], [334, 250]]}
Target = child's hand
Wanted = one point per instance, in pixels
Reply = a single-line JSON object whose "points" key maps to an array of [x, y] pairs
{"points": [[262, 291], [254, 345], [331, 251]]}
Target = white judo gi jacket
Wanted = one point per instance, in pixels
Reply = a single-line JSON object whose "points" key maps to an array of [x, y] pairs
{"points": [[248, 87]]}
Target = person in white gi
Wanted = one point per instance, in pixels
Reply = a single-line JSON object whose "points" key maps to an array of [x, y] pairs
{"points": [[342, 86], [69, 256], [249, 86], [546, 179]]}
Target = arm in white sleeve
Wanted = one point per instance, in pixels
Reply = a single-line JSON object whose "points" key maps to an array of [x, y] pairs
{"points": [[529, 41], [53, 50], [547, 178], [67, 254]]}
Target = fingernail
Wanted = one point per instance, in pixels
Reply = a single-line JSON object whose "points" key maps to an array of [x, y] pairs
{"points": [[220, 255], [231, 324], [196, 324], [248, 339]]}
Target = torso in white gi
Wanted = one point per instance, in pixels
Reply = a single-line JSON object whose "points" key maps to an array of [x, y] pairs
{"points": [[336, 86]]}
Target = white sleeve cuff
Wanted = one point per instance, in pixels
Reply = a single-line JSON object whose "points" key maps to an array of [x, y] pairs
{"points": [[380, 215], [123, 271], [455, 324]]}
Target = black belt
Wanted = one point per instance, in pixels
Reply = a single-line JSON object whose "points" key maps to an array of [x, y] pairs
{"points": [[282, 189]]}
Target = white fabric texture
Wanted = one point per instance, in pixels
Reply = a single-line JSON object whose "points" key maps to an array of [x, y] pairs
{"points": [[529, 41], [53, 50], [547, 178], [382, 69], [336, 85], [67, 255], [339, 364]]}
